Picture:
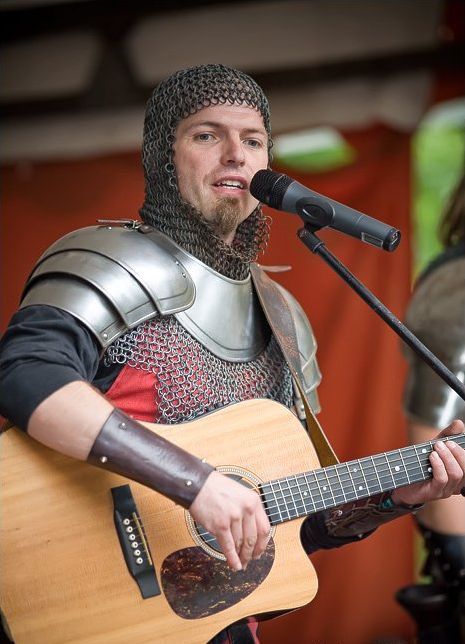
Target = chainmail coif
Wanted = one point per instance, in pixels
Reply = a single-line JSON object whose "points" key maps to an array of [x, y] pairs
{"points": [[182, 94]]}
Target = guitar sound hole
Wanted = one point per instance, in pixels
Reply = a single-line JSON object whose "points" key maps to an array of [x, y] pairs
{"points": [[205, 537]]}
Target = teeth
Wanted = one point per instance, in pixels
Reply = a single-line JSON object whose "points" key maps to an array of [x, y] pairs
{"points": [[230, 184]]}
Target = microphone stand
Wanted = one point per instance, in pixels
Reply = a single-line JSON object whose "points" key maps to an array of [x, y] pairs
{"points": [[316, 245]]}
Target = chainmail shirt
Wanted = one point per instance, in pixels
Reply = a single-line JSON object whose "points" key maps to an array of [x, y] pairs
{"points": [[190, 380]]}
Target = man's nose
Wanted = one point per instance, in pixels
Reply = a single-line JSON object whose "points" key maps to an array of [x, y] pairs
{"points": [[233, 151]]}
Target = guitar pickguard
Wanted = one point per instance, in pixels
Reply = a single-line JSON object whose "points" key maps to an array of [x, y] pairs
{"points": [[197, 585]]}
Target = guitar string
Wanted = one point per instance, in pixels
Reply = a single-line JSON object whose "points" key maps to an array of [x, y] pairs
{"points": [[387, 474], [289, 493]]}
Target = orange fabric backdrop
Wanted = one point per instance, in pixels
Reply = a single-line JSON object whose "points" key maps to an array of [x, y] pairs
{"points": [[362, 384], [359, 356]]}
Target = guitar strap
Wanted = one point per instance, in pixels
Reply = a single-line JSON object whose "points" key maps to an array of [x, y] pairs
{"points": [[280, 319]]}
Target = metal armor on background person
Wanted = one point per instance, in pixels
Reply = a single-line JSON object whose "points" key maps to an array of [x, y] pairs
{"points": [[436, 316]]}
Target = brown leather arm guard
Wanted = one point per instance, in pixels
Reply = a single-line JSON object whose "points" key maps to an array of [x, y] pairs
{"points": [[126, 447], [356, 519]]}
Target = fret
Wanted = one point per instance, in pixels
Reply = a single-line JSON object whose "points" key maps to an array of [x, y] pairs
{"points": [[355, 475], [398, 471], [375, 469], [414, 467], [426, 464], [403, 465], [285, 509], [320, 500], [305, 495], [328, 486], [429, 469], [365, 487], [387, 487], [420, 463], [297, 514], [407, 464], [351, 494], [270, 501], [336, 469], [281, 519], [319, 489]]}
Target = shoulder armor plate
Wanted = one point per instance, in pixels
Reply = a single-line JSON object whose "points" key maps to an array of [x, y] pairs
{"points": [[307, 349], [111, 279], [436, 316]]}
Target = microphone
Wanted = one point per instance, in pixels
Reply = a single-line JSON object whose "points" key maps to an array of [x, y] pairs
{"points": [[283, 193]]}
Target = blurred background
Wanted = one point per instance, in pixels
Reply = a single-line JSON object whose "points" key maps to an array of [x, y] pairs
{"points": [[368, 107]]}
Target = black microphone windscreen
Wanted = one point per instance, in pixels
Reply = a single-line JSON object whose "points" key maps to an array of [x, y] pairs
{"points": [[269, 187]]}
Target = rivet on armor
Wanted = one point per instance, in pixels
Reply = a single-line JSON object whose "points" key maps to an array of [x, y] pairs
{"points": [[184, 275], [103, 459], [105, 336], [122, 426], [188, 483]]}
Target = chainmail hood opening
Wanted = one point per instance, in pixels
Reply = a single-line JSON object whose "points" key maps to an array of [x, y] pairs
{"points": [[174, 99]]}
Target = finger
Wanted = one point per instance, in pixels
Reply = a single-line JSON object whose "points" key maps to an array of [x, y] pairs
{"points": [[228, 548], [456, 427], [439, 473], [458, 453], [452, 469], [249, 530], [263, 535]]}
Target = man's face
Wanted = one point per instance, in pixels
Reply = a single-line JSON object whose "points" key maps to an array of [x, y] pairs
{"points": [[216, 153]]}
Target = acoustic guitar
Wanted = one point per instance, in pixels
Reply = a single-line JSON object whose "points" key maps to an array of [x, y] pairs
{"points": [[88, 556]]}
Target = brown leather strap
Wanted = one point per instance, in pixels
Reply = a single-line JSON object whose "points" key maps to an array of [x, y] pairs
{"points": [[280, 319], [126, 447]]}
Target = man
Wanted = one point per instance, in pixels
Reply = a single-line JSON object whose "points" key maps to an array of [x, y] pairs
{"points": [[196, 343]]}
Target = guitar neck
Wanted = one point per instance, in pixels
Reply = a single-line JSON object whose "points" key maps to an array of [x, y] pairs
{"points": [[303, 494]]}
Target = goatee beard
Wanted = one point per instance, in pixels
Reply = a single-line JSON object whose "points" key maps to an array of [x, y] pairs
{"points": [[228, 216]]}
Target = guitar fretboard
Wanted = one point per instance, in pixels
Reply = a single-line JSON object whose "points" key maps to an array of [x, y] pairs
{"points": [[303, 494]]}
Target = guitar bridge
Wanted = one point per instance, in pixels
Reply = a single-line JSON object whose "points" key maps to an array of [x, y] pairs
{"points": [[133, 541]]}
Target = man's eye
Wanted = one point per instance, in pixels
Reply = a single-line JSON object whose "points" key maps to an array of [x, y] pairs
{"points": [[204, 136], [254, 143]]}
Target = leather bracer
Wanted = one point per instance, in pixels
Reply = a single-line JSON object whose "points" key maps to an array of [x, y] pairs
{"points": [[128, 448], [358, 518]]}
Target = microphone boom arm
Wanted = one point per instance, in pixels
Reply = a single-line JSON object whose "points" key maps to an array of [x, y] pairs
{"points": [[316, 245]]}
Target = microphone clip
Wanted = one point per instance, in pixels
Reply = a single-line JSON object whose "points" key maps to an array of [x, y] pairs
{"points": [[315, 211]]}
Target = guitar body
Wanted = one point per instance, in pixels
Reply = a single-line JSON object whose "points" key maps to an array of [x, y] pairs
{"points": [[64, 576]]}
